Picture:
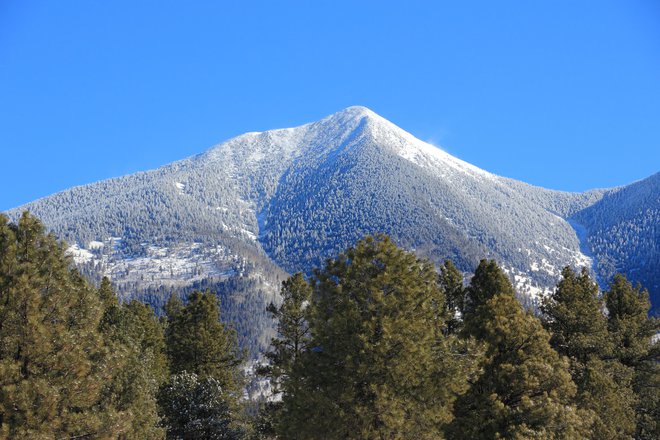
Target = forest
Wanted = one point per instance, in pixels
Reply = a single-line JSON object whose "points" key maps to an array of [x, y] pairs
{"points": [[377, 343]]}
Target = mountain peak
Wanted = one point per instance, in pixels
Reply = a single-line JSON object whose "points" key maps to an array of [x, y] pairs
{"points": [[358, 111], [355, 113]]}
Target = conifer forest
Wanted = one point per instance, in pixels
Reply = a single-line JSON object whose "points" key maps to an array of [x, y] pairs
{"points": [[329, 220], [376, 343]]}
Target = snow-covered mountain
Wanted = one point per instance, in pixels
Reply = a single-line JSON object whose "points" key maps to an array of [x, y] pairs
{"points": [[240, 215]]}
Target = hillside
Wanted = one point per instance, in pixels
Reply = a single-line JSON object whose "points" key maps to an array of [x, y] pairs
{"points": [[241, 215]]}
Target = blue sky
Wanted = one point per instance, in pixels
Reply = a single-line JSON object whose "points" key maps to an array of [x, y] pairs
{"points": [[562, 94]]}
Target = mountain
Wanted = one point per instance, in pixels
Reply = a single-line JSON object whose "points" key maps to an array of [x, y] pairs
{"points": [[240, 216]]}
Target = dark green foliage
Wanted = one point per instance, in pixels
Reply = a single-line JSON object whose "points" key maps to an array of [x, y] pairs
{"points": [[628, 320], [197, 342], [53, 360], [203, 395], [632, 331], [574, 316], [378, 365], [137, 343], [487, 282], [525, 390], [293, 335], [195, 408], [647, 386], [450, 281], [292, 329]]}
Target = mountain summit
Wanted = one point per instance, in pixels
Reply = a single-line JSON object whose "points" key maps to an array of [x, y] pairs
{"points": [[259, 205]]}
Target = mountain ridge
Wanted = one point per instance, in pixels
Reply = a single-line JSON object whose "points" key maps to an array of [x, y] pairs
{"points": [[261, 204]]}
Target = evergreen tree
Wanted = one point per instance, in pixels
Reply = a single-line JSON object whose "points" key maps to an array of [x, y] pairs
{"points": [[292, 329], [451, 284], [195, 408], [53, 360], [378, 365], [525, 390], [137, 344], [647, 387], [574, 316], [487, 282], [632, 331], [204, 358], [628, 321], [197, 342], [287, 348]]}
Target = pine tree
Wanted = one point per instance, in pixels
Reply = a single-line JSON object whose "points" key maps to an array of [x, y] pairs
{"points": [[487, 282], [53, 360], [137, 343], [574, 316], [195, 408], [286, 349], [378, 365], [451, 283], [292, 329], [525, 390], [647, 387], [628, 321], [632, 331], [205, 360], [197, 342]]}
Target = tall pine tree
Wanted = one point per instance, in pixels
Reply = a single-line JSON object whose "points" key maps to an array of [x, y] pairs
{"points": [[137, 345], [198, 342], [451, 284], [292, 329], [574, 314], [53, 360], [525, 390], [287, 348], [378, 364], [205, 362], [632, 331]]}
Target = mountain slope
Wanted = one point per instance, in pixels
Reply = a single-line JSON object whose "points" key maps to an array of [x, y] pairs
{"points": [[378, 178], [236, 217], [622, 231]]}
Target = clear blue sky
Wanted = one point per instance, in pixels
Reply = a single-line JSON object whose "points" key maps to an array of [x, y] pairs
{"points": [[564, 94]]}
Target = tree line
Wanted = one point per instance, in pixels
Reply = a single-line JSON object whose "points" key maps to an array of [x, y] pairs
{"points": [[77, 364], [376, 344], [379, 345]]}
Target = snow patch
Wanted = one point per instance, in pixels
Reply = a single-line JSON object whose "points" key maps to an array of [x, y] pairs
{"points": [[178, 265], [80, 255], [93, 245], [180, 186]]}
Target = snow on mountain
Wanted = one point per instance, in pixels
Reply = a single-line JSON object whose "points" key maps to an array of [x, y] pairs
{"points": [[247, 210]]}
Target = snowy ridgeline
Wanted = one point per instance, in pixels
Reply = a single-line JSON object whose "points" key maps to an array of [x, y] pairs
{"points": [[291, 198]]}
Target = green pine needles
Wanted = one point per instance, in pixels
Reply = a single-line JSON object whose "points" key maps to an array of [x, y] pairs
{"points": [[377, 344]]}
